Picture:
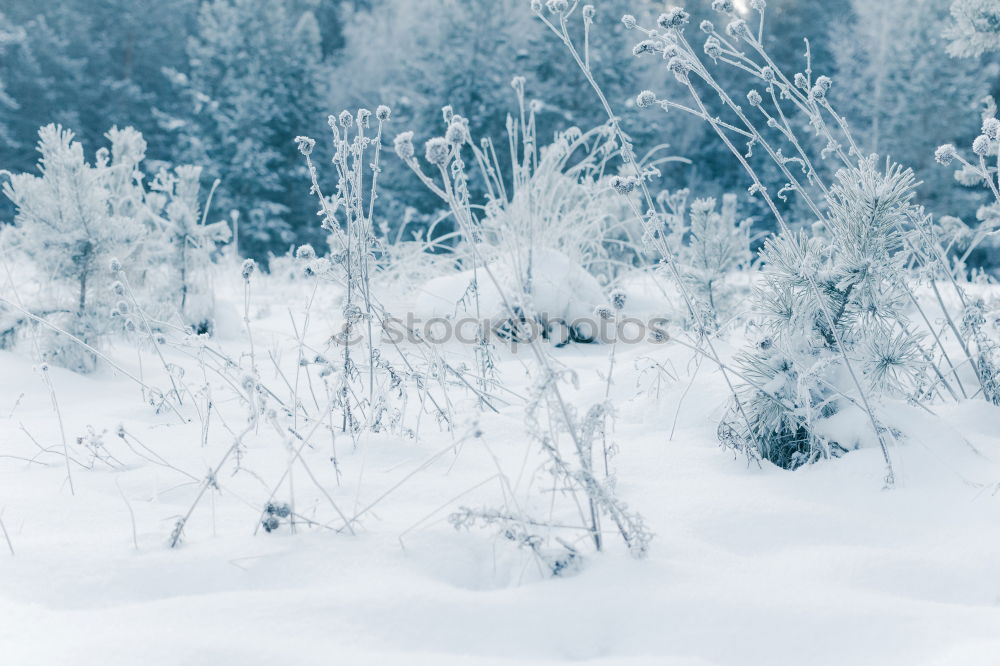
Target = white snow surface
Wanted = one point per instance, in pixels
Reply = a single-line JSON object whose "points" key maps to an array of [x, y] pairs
{"points": [[751, 565], [560, 289]]}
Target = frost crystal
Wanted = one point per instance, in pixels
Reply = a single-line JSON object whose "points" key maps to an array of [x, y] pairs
{"points": [[645, 98]]}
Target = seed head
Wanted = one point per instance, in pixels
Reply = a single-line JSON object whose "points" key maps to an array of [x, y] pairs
{"points": [[589, 12], [674, 17], [801, 81], [346, 119], [457, 132], [945, 154], [628, 21], [981, 145], [437, 151], [116, 266], [305, 145], [305, 252], [713, 47], [557, 6], [249, 266], [680, 66], [738, 28], [991, 128], [754, 98], [383, 113], [645, 46], [645, 98], [623, 184], [723, 6], [604, 313], [618, 299], [364, 115], [403, 145], [707, 26]]}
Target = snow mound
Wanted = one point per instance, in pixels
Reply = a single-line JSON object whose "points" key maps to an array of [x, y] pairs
{"points": [[559, 291]]}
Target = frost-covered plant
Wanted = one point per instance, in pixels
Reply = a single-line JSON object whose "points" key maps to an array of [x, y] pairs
{"points": [[369, 389], [516, 223], [975, 28], [190, 241], [74, 217], [71, 220], [843, 282], [570, 444], [557, 196], [711, 243], [983, 168], [799, 376]]}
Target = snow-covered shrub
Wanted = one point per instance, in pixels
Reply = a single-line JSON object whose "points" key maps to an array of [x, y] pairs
{"points": [[518, 251], [835, 333], [711, 244], [563, 296], [559, 201], [190, 242], [975, 28], [72, 219], [796, 371], [75, 216]]}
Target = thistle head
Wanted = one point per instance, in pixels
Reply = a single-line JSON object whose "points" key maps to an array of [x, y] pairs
{"points": [[991, 128], [945, 154], [645, 98], [673, 18], [437, 151], [248, 268], [403, 145], [724, 7], [981, 145]]}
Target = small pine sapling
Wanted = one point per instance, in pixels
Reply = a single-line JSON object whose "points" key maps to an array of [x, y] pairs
{"points": [[72, 218]]}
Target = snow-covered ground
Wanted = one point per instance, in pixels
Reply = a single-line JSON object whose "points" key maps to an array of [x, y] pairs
{"points": [[750, 564]]}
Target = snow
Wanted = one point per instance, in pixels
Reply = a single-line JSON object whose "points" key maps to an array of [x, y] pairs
{"points": [[750, 564], [561, 290]]}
